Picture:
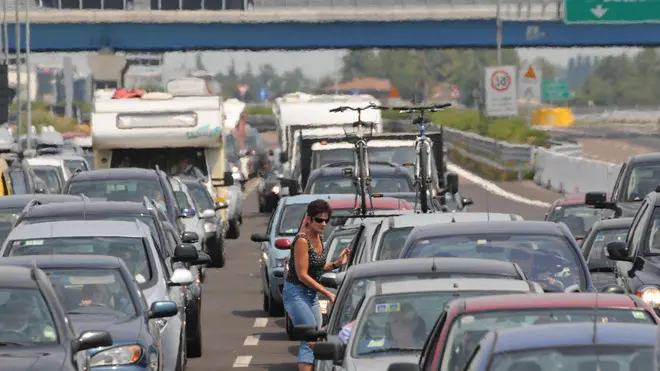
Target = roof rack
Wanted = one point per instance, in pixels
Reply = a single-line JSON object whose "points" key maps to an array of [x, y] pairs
{"points": [[32, 203]]}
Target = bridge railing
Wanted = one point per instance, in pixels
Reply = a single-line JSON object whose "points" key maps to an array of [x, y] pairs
{"points": [[510, 9]]}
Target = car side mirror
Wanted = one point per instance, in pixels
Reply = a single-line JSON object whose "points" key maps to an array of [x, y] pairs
{"points": [[185, 253], [618, 250], [466, 201], [40, 191], [452, 183], [90, 340], [188, 213], [401, 366], [207, 214], [613, 289], [202, 259], [329, 351], [595, 198], [329, 280], [283, 157], [162, 309], [259, 237], [228, 179], [308, 333], [181, 277], [221, 206], [189, 237]]}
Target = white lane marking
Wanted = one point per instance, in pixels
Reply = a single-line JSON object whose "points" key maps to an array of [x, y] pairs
{"points": [[260, 322], [250, 341], [242, 361], [493, 188]]}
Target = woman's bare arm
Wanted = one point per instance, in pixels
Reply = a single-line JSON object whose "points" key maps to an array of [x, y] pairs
{"points": [[301, 255]]}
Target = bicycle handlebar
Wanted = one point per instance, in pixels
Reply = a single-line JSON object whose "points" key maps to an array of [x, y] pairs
{"points": [[358, 109], [435, 108]]}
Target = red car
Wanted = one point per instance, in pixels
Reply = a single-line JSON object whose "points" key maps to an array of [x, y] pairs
{"points": [[465, 321], [578, 217]]}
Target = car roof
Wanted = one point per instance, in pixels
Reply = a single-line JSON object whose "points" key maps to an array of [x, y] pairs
{"points": [[78, 228], [91, 208], [575, 334], [549, 300], [421, 265], [454, 284], [45, 161], [645, 157], [131, 173], [305, 199], [187, 180], [18, 277], [374, 169], [612, 223], [63, 261], [14, 201], [414, 220], [522, 227], [350, 202]]}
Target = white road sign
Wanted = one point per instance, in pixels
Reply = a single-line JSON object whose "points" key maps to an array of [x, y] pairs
{"points": [[529, 82], [501, 97]]}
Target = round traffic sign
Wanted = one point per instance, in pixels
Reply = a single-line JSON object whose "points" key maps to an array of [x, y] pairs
{"points": [[500, 80]]}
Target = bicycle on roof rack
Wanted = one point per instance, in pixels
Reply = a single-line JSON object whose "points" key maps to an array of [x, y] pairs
{"points": [[423, 144], [363, 180]]}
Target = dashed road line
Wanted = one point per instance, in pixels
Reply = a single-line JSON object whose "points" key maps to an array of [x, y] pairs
{"points": [[251, 341], [242, 361], [260, 322]]}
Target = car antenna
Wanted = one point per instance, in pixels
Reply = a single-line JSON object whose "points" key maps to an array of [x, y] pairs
{"points": [[453, 216], [595, 336], [433, 266], [487, 203]]}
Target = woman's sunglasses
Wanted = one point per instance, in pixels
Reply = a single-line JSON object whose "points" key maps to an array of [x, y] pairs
{"points": [[320, 220]]}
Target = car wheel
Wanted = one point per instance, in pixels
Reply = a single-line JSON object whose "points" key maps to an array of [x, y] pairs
{"points": [[218, 258], [182, 358], [194, 346], [275, 309], [266, 304], [262, 207], [234, 232], [289, 326]]}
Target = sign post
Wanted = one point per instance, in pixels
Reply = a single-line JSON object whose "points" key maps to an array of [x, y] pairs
{"points": [[604, 11], [555, 91], [501, 92]]}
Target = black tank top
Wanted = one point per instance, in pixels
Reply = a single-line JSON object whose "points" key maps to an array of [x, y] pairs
{"points": [[315, 264]]}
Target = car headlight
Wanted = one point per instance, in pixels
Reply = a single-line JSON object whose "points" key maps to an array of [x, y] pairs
{"points": [[209, 227], [324, 306], [650, 294], [279, 263], [276, 189], [124, 355]]}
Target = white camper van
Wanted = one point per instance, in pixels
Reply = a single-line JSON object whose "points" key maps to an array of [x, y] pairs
{"points": [[159, 129]]}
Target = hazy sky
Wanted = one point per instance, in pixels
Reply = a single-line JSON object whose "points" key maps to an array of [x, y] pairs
{"points": [[315, 64]]}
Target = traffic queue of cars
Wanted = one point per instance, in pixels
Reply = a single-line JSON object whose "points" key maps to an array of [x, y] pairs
{"points": [[108, 273]]}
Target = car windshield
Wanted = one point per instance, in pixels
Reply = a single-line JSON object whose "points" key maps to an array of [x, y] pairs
{"points": [[397, 155], [548, 260], [25, 319], [355, 289], [467, 330], [577, 358], [93, 291], [201, 196], [118, 190], [379, 184], [597, 252], [290, 219], [338, 244], [391, 243], [18, 182], [74, 165], [579, 218], [132, 250], [7, 219], [397, 323], [643, 180], [50, 176]]}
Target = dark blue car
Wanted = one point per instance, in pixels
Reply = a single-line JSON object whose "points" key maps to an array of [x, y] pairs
{"points": [[575, 346], [99, 292]]}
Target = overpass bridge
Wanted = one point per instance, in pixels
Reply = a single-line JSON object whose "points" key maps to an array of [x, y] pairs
{"points": [[384, 24]]}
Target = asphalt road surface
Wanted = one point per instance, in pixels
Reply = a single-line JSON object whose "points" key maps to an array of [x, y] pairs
{"points": [[237, 333]]}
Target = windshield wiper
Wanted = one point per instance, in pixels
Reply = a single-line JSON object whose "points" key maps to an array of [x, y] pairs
{"points": [[393, 349]]}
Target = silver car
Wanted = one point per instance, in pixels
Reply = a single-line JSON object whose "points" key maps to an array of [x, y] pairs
{"points": [[395, 319], [130, 241]]}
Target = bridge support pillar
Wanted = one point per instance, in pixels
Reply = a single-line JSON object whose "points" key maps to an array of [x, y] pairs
{"points": [[108, 70]]}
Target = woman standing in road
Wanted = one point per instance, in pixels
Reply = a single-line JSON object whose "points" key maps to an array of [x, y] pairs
{"points": [[306, 265]]}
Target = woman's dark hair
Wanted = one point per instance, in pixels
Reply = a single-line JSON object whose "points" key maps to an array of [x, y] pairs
{"points": [[317, 207]]}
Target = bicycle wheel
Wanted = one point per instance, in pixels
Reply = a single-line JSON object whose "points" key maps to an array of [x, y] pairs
{"points": [[424, 180], [362, 176]]}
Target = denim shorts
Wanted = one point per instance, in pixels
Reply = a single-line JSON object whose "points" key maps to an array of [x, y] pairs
{"points": [[302, 305]]}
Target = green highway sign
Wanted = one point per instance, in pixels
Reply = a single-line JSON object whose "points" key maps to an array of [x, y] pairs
{"points": [[617, 11], [555, 90]]}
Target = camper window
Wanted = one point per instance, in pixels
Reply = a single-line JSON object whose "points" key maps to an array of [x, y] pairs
{"points": [[167, 159], [19, 182], [74, 165]]}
